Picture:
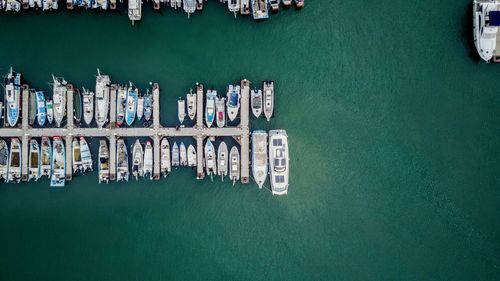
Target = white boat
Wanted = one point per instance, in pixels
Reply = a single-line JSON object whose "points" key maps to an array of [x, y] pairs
{"points": [[222, 160], [299, 3], [259, 9], [13, 5], [268, 99], [121, 104], [259, 157], [165, 165], [58, 174], [12, 97], [175, 155], [4, 159], [131, 110], [256, 102], [140, 107], [41, 111], [50, 111], [77, 157], [122, 170], [46, 157], [279, 161], [148, 106], [59, 99], [210, 107], [191, 104], [148, 161], [189, 6], [181, 110], [244, 7], [14, 166], [134, 10], [210, 158], [486, 22], [286, 2], [220, 107], [101, 107], [137, 160], [191, 155], [233, 101], [103, 163], [86, 155], [34, 161], [275, 5], [234, 164], [233, 6], [88, 106], [182, 155]]}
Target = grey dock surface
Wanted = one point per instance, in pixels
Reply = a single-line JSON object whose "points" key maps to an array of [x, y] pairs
{"points": [[24, 136]]}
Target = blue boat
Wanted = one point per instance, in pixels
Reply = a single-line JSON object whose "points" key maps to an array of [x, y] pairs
{"points": [[131, 111], [210, 107], [12, 96], [233, 101], [41, 112], [58, 166]]}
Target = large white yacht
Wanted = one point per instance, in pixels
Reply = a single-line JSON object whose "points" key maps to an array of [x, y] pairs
{"points": [[486, 22]]}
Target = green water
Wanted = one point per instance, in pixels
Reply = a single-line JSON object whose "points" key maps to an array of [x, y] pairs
{"points": [[394, 131]]}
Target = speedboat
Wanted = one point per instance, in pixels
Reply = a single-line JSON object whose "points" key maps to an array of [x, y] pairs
{"points": [[59, 99], [234, 164], [148, 106], [88, 106], [244, 7], [182, 154], [12, 96], [131, 111], [259, 157], [58, 175], [210, 161], [221, 112], [103, 164], [13, 5], [122, 171], [175, 155], [135, 10], [275, 5], [46, 157], [486, 22], [77, 157], [14, 166], [259, 9], [268, 99], [210, 107], [233, 101], [256, 102], [137, 160], [191, 155], [121, 104], [181, 110], [191, 104], [41, 112], [165, 165], [32, 107], [189, 6], [102, 89], [140, 107], [278, 159], [4, 159], [222, 158], [86, 155], [148, 161], [34, 161], [49, 106], [233, 6]]}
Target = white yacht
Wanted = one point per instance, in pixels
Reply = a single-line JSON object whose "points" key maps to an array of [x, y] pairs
{"points": [[34, 160], [4, 159], [137, 160], [165, 165], [140, 107], [233, 101], [102, 89], [148, 160], [486, 22], [46, 157], [175, 155], [14, 172], [210, 107], [86, 155], [77, 157], [134, 10], [220, 107], [122, 170], [12, 97], [256, 102], [268, 99], [222, 160], [103, 163], [182, 155], [121, 104], [88, 106], [234, 164], [259, 157], [191, 155], [210, 159], [58, 175], [279, 161], [59, 99], [233, 6], [181, 110], [191, 104]]}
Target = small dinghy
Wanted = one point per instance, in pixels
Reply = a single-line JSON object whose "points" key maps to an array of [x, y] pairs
{"points": [[234, 168], [165, 165], [221, 112], [191, 154], [256, 102], [222, 160]]}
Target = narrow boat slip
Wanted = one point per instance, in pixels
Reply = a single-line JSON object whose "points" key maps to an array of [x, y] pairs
{"points": [[256, 102], [148, 106], [268, 99], [32, 107], [121, 104], [34, 161], [182, 155], [58, 175], [132, 94], [181, 110], [210, 107], [175, 155], [148, 161], [259, 157], [279, 161], [59, 99], [77, 157], [244, 7], [86, 155], [77, 105], [222, 160], [103, 163], [12, 97], [101, 107], [122, 170], [233, 101], [137, 160], [191, 104], [46, 157], [221, 112], [165, 165], [210, 159], [4, 159], [50, 111], [140, 107], [259, 9], [191, 155], [41, 112], [234, 172]]}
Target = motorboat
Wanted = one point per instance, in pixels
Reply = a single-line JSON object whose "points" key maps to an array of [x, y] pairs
{"points": [[34, 161], [210, 158], [175, 155], [77, 106], [49, 106], [148, 106], [259, 157], [165, 165], [486, 23], [58, 175], [86, 155], [222, 160], [122, 170], [137, 160], [140, 107], [181, 110], [121, 104], [210, 107], [46, 157], [220, 107], [268, 99], [59, 99], [12, 97], [103, 164], [233, 6], [234, 165], [131, 111], [88, 106], [148, 160], [101, 105], [77, 157], [41, 112], [4, 159], [233, 101], [256, 102], [259, 9], [191, 104], [182, 155], [32, 107], [279, 161], [15, 160], [191, 155]]}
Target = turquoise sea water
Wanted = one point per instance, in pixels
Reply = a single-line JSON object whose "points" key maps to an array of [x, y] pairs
{"points": [[394, 129]]}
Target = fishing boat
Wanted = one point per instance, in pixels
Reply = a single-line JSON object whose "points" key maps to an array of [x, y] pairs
{"points": [[58, 174], [279, 161], [131, 111], [286, 3], [210, 107], [299, 3], [49, 106], [191, 104], [122, 171], [234, 168], [148, 106], [148, 161], [486, 23], [222, 159], [233, 101], [256, 102], [121, 105], [77, 157], [137, 160], [12, 96], [34, 161], [77, 106], [191, 155], [88, 106], [259, 9], [103, 164], [14, 166], [210, 161], [181, 108], [268, 99], [165, 165], [86, 155], [134, 10], [4, 159], [244, 7], [259, 157], [183, 154], [233, 6], [140, 107], [32, 107], [59, 99], [220, 107], [45, 168], [189, 6], [175, 155], [275, 5], [101, 107], [41, 112]]}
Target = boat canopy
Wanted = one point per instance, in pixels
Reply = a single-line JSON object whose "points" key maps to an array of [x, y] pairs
{"points": [[494, 18], [234, 99]]}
